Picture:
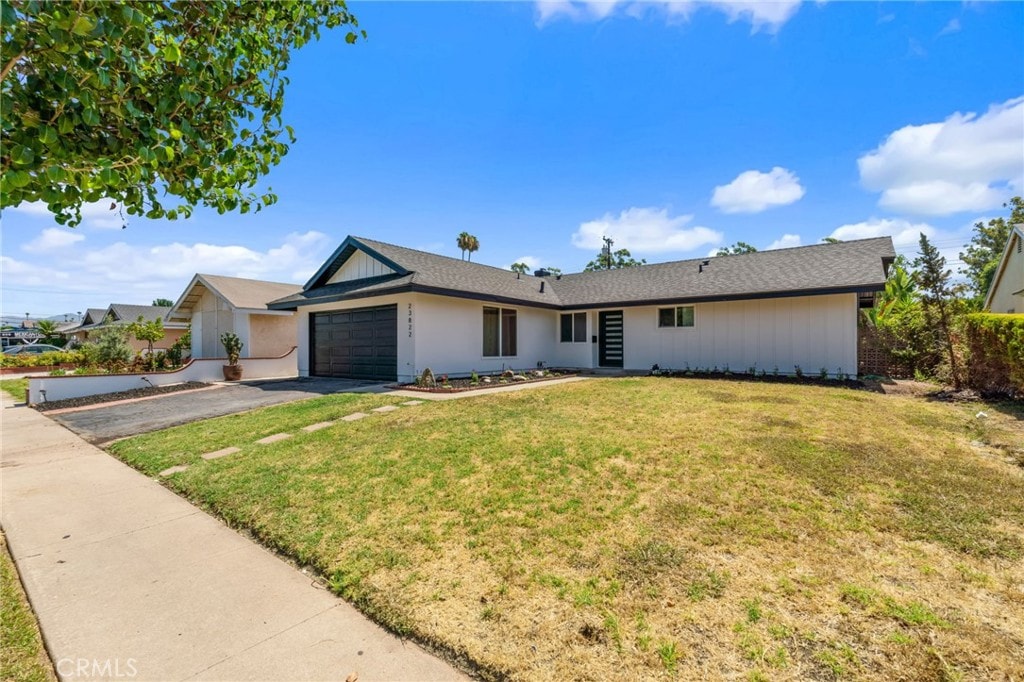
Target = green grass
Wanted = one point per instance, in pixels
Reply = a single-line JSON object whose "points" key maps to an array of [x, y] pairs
{"points": [[15, 388], [22, 658], [623, 528]]}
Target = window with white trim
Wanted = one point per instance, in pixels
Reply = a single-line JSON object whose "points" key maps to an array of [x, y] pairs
{"points": [[573, 328], [680, 316], [500, 332]]}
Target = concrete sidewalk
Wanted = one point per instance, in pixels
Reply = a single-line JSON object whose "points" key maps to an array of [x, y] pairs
{"points": [[130, 581]]}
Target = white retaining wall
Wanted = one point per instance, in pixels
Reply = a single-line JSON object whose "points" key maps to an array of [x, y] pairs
{"points": [[43, 389]]}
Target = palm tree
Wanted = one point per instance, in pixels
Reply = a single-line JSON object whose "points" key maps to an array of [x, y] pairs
{"points": [[468, 243], [520, 268], [48, 328]]}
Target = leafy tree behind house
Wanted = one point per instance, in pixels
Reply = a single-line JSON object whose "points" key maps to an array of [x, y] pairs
{"points": [[135, 101], [112, 349], [163, 302], [937, 291], [149, 331], [612, 260], [736, 249], [520, 268], [48, 328], [981, 257]]}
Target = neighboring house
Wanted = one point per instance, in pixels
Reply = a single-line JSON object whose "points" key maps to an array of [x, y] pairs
{"points": [[122, 314], [379, 311], [1006, 295], [214, 305], [92, 319]]}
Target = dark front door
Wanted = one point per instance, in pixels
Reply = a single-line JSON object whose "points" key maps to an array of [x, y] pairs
{"points": [[355, 344], [609, 344]]}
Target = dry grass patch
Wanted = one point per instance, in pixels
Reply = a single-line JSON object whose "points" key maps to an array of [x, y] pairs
{"points": [[651, 528]]}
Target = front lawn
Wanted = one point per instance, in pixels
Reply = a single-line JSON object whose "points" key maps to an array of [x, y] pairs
{"points": [[15, 388], [645, 528]]}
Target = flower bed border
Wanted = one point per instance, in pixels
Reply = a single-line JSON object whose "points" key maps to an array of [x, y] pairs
{"points": [[483, 386]]}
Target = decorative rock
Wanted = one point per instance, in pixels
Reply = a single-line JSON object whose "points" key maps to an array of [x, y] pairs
{"points": [[316, 427], [174, 470], [386, 408], [274, 438], [486, 380], [354, 416], [220, 453], [410, 403], [518, 377]]}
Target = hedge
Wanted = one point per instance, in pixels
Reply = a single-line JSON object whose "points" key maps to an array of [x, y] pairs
{"points": [[996, 344]]}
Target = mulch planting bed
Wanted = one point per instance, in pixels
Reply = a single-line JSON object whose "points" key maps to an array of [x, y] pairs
{"points": [[768, 378], [120, 395], [485, 381]]}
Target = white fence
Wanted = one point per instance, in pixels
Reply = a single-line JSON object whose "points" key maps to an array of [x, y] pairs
{"points": [[49, 389]]}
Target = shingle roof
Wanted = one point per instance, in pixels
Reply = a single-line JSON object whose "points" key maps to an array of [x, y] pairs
{"points": [[238, 292], [93, 317], [822, 268], [126, 312], [847, 265]]}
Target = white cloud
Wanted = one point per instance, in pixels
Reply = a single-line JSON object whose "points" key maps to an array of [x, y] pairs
{"points": [[753, 191], [532, 263], [126, 273], [645, 230], [52, 239], [96, 215], [965, 163], [903, 232], [952, 27], [760, 15], [786, 241]]}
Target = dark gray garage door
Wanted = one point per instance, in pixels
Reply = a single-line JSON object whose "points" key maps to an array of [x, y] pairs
{"points": [[356, 344]]}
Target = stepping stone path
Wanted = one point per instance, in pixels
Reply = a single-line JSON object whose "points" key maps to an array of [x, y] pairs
{"points": [[273, 439], [224, 452], [220, 453], [316, 427]]}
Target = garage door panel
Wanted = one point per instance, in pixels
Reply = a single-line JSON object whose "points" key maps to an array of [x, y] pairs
{"points": [[359, 344]]}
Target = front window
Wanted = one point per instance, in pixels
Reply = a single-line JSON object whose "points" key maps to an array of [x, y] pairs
{"points": [[680, 316], [573, 327], [500, 332]]}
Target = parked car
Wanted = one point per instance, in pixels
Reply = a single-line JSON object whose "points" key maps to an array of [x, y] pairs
{"points": [[32, 349]]}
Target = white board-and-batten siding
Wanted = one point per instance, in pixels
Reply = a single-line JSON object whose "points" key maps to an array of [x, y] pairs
{"points": [[360, 265]]}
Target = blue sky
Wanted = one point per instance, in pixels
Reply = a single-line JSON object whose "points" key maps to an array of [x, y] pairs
{"points": [[675, 128]]}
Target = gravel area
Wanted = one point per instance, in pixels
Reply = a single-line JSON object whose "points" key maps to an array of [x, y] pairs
{"points": [[121, 395]]}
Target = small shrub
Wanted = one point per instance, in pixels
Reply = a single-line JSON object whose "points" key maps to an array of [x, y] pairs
{"points": [[232, 346], [58, 372], [798, 372], [113, 351], [823, 373], [474, 378]]}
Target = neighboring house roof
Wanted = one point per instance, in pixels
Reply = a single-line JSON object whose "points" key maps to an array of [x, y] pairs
{"points": [[126, 312], [238, 292], [1016, 233], [93, 318], [824, 268]]}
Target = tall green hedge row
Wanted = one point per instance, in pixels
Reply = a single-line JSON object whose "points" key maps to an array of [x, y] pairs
{"points": [[996, 344]]}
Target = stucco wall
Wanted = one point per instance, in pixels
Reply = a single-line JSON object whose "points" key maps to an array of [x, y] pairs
{"points": [[1003, 298], [207, 370], [271, 334]]}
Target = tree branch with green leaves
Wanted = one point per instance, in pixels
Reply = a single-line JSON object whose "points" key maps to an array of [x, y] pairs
{"points": [[157, 106]]}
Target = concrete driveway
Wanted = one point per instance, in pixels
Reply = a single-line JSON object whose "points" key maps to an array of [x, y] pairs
{"points": [[106, 423]]}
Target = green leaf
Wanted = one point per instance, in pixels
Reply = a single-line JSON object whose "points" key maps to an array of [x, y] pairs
{"points": [[47, 135], [175, 134], [18, 178], [172, 53], [22, 155], [83, 25], [90, 117], [55, 174]]}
